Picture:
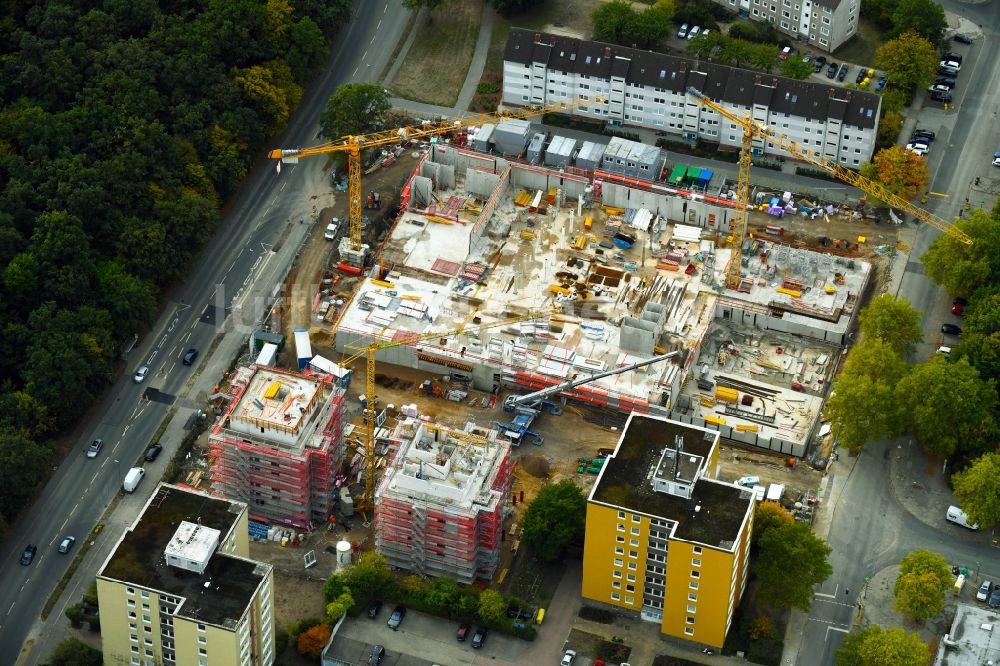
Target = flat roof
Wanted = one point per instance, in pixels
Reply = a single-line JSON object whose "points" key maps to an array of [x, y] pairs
{"points": [[714, 513], [973, 639], [218, 596], [275, 400]]}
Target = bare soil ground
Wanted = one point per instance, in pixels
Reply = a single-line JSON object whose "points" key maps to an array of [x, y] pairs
{"points": [[438, 61]]}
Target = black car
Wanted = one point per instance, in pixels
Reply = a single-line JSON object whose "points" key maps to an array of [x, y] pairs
{"points": [[396, 619], [479, 637], [925, 132], [862, 73], [153, 452], [946, 81], [373, 608], [29, 554], [378, 653], [519, 613], [962, 38], [189, 356], [819, 63], [843, 72], [951, 329], [994, 600], [958, 300], [947, 71], [952, 56], [939, 96], [831, 70]]}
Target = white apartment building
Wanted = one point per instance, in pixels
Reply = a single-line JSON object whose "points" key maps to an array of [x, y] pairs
{"points": [[825, 25], [647, 89]]}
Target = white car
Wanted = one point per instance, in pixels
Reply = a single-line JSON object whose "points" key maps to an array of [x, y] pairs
{"points": [[693, 32], [920, 149], [951, 64], [683, 32], [996, 158], [984, 591], [140, 374], [568, 657], [331, 229]]}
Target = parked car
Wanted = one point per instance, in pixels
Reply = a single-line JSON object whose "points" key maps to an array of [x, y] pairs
{"points": [[463, 632], [883, 80], [918, 149], [952, 56], [785, 52], [569, 656], [844, 69], [939, 88], [984, 591], [947, 71], [831, 70], [748, 481], [140, 374], [926, 132], [958, 300], [95, 448], [331, 230], [396, 619], [819, 64], [683, 32], [962, 38], [946, 81], [994, 601], [951, 329], [189, 356], [951, 64], [373, 608], [515, 613], [939, 96], [807, 59], [29, 554], [919, 138], [66, 544], [153, 452], [958, 310], [862, 75], [996, 158], [693, 32], [378, 653], [479, 637], [705, 31]]}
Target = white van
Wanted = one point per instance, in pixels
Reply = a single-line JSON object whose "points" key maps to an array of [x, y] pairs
{"points": [[958, 517], [133, 478]]}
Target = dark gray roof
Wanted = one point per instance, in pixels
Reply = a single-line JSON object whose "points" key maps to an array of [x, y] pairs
{"points": [[817, 101]]}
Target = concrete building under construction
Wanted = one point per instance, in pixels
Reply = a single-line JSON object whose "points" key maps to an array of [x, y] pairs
{"points": [[278, 447], [439, 508]]}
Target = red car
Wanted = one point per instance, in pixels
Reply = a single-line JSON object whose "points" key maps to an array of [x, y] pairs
{"points": [[958, 309]]}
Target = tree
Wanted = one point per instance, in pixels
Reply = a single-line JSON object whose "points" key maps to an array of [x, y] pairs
{"points": [[861, 409], [492, 607], [939, 388], [354, 108], [902, 172], [338, 608], [335, 586], [555, 519], [922, 17], [312, 641], [443, 595], [919, 596], [889, 127], [909, 59], [651, 26], [978, 489], [74, 652], [768, 515], [612, 21], [795, 67], [876, 359], [792, 562], [926, 561], [368, 576], [23, 464], [961, 268], [982, 351], [875, 646], [894, 321], [511, 7]]}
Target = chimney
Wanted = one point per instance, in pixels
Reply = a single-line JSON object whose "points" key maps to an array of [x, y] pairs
{"points": [[537, 37], [607, 51], [552, 40], [682, 67], [756, 79]]}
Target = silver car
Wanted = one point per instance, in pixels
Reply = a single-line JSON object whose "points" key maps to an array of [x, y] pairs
{"points": [[984, 590], [140, 374]]}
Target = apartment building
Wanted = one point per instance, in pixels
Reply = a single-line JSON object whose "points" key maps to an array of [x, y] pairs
{"points": [[681, 539], [179, 588], [629, 87], [825, 25]]}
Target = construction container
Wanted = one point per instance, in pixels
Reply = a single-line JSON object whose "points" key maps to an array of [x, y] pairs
{"points": [[633, 159], [303, 347], [590, 155], [726, 394], [511, 136], [560, 151], [535, 148], [268, 354], [484, 138]]}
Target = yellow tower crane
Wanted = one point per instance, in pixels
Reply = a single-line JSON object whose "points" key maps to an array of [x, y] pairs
{"points": [[370, 350], [353, 145], [754, 129]]}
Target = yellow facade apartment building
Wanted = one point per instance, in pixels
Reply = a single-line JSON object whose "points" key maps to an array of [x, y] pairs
{"points": [[665, 541], [180, 589]]}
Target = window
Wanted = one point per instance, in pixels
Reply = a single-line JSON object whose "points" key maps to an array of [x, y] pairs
{"points": [[615, 596], [630, 600], [621, 515], [202, 640], [145, 618], [631, 566], [130, 603], [630, 588], [693, 585], [635, 531], [619, 550], [130, 590], [201, 627], [633, 553], [689, 620], [145, 607], [695, 573], [695, 562], [692, 609], [697, 550], [145, 594], [134, 638], [132, 625], [618, 562], [148, 641], [131, 614], [634, 543], [631, 577], [689, 631], [615, 584], [636, 519], [621, 528], [692, 596], [616, 574], [203, 652], [620, 539], [135, 648]]}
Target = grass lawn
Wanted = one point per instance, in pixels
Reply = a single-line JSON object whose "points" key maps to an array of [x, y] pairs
{"points": [[439, 59], [860, 50]]}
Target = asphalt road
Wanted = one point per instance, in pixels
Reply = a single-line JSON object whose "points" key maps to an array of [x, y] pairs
{"points": [[870, 530], [81, 488]]}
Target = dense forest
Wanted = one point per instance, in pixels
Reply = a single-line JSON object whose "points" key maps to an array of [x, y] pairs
{"points": [[125, 125]]}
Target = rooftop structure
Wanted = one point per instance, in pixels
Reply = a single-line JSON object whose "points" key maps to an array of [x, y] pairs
{"points": [[676, 528], [187, 553], [439, 508], [974, 638], [278, 446]]}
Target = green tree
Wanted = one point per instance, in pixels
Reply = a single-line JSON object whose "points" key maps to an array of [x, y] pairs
{"points": [[875, 358], [982, 351], [511, 7], [272, 90], [909, 59], [926, 561], [879, 12], [443, 595], [889, 127], [354, 108], [130, 302], [893, 321], [792, 562], [555, 519], [861, 410], [961, 268], [23, 464], [492, 607], [335, 586], [922, 17], [306, 48], [337, 608], [977, 489], [796, 68], [368, 576], [74, 652], [936, 388], [875, 646], [919, 596], [612, 21], [767, 516]]}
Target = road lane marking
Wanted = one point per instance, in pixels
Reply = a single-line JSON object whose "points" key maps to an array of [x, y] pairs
{"points": [[63, 526], [75, 507], [379, 24], [365, 56], [371, 42], [355, 72], [11, 607], [187, 336]]}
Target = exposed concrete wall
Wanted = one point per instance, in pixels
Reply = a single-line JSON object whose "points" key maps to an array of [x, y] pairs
{"points": [[750, 438]]}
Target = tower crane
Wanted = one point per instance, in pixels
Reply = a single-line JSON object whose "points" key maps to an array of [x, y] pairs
{"points": [[754, 129], [353, 145], [370, 350]]}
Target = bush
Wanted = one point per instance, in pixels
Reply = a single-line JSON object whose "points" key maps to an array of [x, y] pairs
{"points": [[815, 173], [312, 641]]}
